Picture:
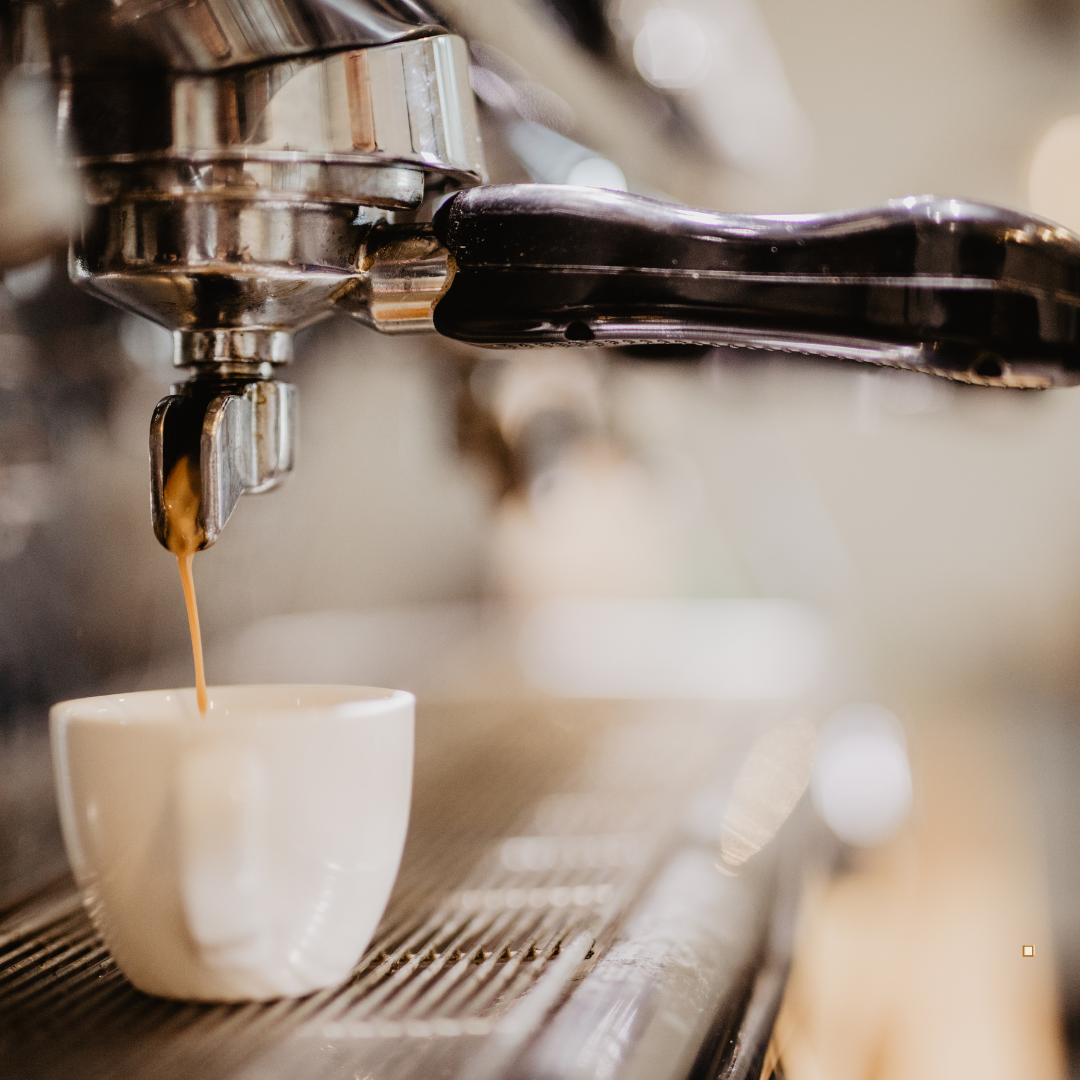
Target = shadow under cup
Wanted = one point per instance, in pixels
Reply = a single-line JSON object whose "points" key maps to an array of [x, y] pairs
{"points": [[245, 856]]}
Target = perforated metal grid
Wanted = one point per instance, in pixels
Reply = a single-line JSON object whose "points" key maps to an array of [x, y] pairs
{"points": [[534, 830]]}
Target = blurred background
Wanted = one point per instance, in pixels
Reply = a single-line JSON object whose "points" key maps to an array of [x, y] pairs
{"points": [[444, 493]]}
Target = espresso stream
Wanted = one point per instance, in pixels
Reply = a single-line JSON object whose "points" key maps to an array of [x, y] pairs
{"points": [[184, 536]]}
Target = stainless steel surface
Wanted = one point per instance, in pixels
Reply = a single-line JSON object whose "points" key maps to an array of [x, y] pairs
{"points": [[552, 914], [205, 35], [250, 207], [406, 104], [403, 276], [235, 208], [679, 952], [201, 265]]}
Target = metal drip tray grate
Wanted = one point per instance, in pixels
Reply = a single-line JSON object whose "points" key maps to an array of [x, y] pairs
{"points": [[546, 871]]}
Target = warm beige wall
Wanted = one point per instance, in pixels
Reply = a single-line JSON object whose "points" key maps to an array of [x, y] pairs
{"points": [[942, 96], [962, 524]]}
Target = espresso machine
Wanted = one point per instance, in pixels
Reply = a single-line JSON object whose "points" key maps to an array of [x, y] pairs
{"points": [[249, 169], [246, 168]]}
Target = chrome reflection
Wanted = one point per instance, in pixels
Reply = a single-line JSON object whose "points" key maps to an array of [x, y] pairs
{"points": [[767, 787], [206, 35]]}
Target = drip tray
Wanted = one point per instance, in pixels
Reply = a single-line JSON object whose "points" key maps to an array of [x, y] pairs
{"points": [[563, 910]]}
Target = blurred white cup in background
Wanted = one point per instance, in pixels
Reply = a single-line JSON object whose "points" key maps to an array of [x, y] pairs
{"points": [[861, 783]]}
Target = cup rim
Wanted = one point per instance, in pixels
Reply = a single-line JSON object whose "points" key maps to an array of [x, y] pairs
{"points": [[358, 702]]}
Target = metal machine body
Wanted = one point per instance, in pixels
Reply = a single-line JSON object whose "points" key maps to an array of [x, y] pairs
{"points": [[250, 166], [239, 181]]}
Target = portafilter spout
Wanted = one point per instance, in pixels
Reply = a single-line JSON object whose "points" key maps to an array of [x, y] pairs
{"points": [[233, 432], [234, 422]]}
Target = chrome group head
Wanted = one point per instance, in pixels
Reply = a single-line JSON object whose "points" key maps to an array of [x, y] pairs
{"points": [[239, 186]]}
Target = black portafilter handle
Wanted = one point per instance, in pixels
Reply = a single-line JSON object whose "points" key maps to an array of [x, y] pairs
{"points": [[947, 286]]}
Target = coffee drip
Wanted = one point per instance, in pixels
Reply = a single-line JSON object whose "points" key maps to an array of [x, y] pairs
{"points": [[184, 536]]}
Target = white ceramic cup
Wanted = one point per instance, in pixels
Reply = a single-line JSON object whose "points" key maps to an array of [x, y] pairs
{"points": [[244, 856]]}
